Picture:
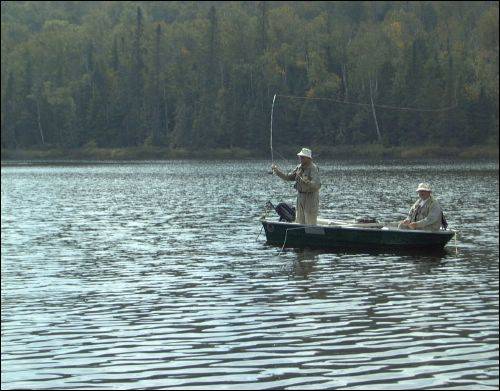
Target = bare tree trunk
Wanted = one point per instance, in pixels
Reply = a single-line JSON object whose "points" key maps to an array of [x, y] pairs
{"points": [[374, 114], [39, 121], [221, 75], [306, 58], [166, 109], [251, 81], [344, 78]]}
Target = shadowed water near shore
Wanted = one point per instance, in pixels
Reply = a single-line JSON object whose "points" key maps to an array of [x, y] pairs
{"points": [[343, 152], [150, 275]]}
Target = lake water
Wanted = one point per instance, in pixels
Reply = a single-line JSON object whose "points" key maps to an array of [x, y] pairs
{"points": [[152, 275]]}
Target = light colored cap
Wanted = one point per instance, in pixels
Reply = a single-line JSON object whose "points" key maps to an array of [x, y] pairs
{"points": [[306, 153], [424, 187]]}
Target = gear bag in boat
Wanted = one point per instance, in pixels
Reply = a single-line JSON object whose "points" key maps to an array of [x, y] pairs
{"points": [[444, 223]]}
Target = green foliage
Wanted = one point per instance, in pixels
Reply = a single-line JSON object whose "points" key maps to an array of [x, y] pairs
{"points": [[198, 76]]}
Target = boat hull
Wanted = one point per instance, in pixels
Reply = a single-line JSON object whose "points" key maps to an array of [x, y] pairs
{"points": [[345, 237]]}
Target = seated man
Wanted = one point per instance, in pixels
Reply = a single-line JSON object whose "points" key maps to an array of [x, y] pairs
{"points": [[425, 214]]}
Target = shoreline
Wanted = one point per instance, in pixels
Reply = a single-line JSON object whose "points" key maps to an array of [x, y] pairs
{"points": [[355, 152]]}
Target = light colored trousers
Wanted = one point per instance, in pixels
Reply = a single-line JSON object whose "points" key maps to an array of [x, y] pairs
{"points": [[401, 226], [307, 208]]}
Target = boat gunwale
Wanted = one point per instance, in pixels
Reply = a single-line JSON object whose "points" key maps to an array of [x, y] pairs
{"points": [[347, 227]]}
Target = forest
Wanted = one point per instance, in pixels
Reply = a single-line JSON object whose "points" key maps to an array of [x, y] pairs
{"points": [[201, 75]]}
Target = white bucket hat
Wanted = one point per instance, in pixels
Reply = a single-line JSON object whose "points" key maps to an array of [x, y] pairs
{"points": [[306, 153], [424, 187]]}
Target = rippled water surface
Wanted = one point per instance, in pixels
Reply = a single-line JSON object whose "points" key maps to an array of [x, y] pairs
{"points": [[153, 275]]}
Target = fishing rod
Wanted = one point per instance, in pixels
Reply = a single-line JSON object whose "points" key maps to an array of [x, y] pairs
{"points": [[271, 140]]}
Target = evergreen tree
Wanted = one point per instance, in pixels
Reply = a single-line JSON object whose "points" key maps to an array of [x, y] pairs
{"points": [[203, 75]]}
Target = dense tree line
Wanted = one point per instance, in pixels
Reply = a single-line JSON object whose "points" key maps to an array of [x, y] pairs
{"points": [[203, 74]]}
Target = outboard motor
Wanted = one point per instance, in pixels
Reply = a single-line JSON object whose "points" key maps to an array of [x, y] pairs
{"points": [[285, 211]]}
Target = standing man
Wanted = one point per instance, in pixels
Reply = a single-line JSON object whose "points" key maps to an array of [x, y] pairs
{"points": [[425, 214], [307, 184]]}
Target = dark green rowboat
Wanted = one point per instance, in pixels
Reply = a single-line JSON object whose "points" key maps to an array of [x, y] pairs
{"points": [[354, 237]]}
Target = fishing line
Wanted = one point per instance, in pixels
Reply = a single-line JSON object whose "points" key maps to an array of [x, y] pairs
{"points": [[368, 104], [259, 232], [349, 103], [286, 234]]}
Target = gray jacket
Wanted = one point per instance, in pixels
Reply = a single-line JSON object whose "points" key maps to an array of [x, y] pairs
{"points": [[427, 217], [306, 179]]}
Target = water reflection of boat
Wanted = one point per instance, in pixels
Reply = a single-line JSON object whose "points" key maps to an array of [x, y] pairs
{"points": [[355, 236]]}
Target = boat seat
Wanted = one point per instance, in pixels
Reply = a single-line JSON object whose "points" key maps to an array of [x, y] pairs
{"points": [[347, 223]]}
